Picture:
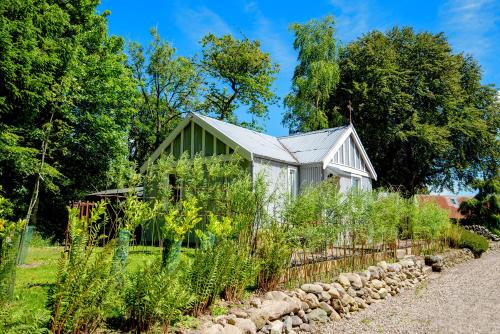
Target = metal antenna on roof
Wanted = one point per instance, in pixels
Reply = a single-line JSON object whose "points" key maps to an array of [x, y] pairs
{"points": [[349, 107]]}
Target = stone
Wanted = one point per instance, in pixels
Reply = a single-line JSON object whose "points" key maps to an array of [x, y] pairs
{"points": [[431, 259], [338, 287], [231, 319], [360, 302], [325, 286], [374, 295], [221, 320], [354, 280], [317, 315], [274, 309], [287, 324], [437, 267], [406, 263], [351, 292], [277, 327], [383, 293], [214, 329], [324, 296], [344, 281], [377, 284], [394, 267], [231, 329], [296, 320], [382, 265], [374, 272], [312, 300], [335, 316], [255, 302], [360, 293], [334, 293], [306, 328], [327, 308], [276, 295], [312, 288], [245, 325], [239, 313], [347, 300], [304, 306]]}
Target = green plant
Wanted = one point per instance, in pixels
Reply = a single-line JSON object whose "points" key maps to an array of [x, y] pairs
{"points": [[225, 269], [81, 293], [155, 296], [475, 242]]}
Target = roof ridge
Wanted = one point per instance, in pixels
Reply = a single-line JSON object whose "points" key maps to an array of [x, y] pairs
{"points": [[313, 132]]}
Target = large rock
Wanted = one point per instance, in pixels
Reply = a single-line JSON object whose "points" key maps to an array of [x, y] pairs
{"points": [[245, 325], [383, 293], [374, 272], [231, 329], [327, 308], [312, 288], [382, 265], [354, 280], [334, 316], [344, 281], [277, 327], [214, 329], [334, 293], [431, 259], [317, 315], [274, 309], [377, 284], [296, 321]]}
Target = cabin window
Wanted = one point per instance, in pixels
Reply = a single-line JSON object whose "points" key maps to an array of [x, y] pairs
{"points": [[292, 181]]}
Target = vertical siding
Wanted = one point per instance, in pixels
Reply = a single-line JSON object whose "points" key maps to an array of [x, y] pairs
{"points": [[309, 175], [345, 183], [366, 183], [276, 176]]}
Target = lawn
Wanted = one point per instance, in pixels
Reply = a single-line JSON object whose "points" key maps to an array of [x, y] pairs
{"points": [[34, 278]]}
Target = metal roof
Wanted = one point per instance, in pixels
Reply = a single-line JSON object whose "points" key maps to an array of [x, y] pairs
{"points": [[313, 146], [255, 142]]}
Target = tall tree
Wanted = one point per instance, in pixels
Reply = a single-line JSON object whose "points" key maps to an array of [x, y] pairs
{"points": [[237, 73], [168, 86], [66, 96], [315, 78], [421, 110], [484, 208]]}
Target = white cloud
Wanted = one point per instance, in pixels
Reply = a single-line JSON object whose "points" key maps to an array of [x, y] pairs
{"points": [[352, 18], [273, 37], [196, 23], [470, 24]]}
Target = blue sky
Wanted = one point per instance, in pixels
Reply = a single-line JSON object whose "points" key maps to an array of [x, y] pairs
{"points": [[472, 26]]}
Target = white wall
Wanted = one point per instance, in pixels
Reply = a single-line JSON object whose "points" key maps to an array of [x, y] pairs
{"points": [[275, 174]]}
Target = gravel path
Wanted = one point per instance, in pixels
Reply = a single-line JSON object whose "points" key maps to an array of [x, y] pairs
{"points": [[463, 299]]}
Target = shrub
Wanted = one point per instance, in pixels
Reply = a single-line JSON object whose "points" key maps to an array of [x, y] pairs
{"points": [[476, 243], [155, 296], [83, 284], [222, 270]]}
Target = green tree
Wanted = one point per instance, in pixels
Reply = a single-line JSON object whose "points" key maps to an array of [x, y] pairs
{"points": [[484, 208], [423, 115], [237, 73], [66, 96], [168, 86], [315, 78]]}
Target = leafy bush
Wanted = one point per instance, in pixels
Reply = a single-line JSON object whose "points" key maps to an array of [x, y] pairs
{"points": [[430, 222], [83, 284], [222, 270], [467, 239], [155, 296]]}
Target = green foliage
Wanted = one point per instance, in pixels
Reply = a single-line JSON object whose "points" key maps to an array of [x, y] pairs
{"points": [[316, 76], [484, 208], [225, 269], [475, 242], [14, 321], [169, 87], [155, 296], [423, 115], [81, 294], [238, 74], [429, 222], [63, 79]]}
